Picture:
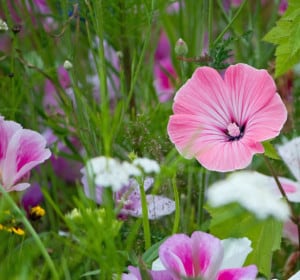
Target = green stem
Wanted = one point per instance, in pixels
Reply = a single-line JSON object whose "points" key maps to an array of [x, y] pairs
{"points": [[294, 216], [202, 188], [221, 35], [210, 22], [177, 206], [35, 236], [145, 218]]}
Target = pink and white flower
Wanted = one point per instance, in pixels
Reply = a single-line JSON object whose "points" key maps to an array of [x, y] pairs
{"points": [[222, 121], [20, 151], [201, 256]]}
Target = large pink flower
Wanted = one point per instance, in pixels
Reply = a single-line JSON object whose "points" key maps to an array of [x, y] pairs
{"points": [[20, 151], [201, 256], [221, 121]]}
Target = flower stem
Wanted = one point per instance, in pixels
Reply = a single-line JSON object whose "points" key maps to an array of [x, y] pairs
{"points": [[32, 232], [201, 197], [294, 217], [177, 206], [230, 23], [146, 224]]}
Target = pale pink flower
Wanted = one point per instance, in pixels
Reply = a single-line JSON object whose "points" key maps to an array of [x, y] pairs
{"points": [[221, 121], [20, 151]]}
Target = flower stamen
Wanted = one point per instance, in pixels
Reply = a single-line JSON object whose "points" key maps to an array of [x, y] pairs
{"points": [[234, 131]]}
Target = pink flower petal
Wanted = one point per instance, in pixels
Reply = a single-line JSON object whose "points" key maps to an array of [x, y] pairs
{"points": [[255, 101], [176, 255], [7, 129], [221, 122], [207, 254], [25, 150], [244, 273]]}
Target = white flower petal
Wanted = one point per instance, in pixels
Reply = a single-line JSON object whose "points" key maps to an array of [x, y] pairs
{"points": [[290, 153], [236, 251], [148, 165]]}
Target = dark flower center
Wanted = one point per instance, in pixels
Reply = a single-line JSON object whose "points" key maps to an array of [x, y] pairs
{"points": [[234, 131]]}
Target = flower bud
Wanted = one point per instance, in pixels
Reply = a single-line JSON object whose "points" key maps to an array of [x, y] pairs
{"points": [[68, 65], [3, 25], [181, 47]]}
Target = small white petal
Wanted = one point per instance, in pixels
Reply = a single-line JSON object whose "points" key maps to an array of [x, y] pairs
{"points": [[236, 251], [157, 265], [148, 165], [290, 153]]}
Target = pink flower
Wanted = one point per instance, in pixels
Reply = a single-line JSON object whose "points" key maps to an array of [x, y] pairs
{"points": [[202, 256], [134, 274], [20, 151], [221, 121], [164, 72]]}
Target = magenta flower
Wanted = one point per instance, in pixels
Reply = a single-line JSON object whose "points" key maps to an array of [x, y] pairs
{"points": [[20, 151], [164, 72], [221, 121], [202, 256]]}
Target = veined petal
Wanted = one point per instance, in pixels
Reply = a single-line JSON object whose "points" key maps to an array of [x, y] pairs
{"points": [[226, 156], [207, 254], [7, 129], [244, 273], [25, 150]]}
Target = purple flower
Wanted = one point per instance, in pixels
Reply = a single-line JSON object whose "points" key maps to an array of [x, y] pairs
{"points": [[66, 168], [32, 197], [20, 151]]}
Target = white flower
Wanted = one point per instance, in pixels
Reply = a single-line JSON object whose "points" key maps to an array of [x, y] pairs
{"points": [[253, 191], [109, 172], [148, 165], [3, 25]]}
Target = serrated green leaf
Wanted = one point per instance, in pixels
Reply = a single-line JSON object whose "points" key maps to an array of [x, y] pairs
{"points": [[233, 221], [286, 35], [270, 151]]}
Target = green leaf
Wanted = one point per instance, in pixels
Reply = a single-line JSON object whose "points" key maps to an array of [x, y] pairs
{"points": [[152, 253], [233, 221], [286, 35], [270, 151]]}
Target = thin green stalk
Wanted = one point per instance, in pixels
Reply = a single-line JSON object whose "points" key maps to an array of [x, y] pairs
{"points": [[202, 188], [35, 236], [221, 35], [294, 216], [145, 219], [177, 206], [210, 22]]}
